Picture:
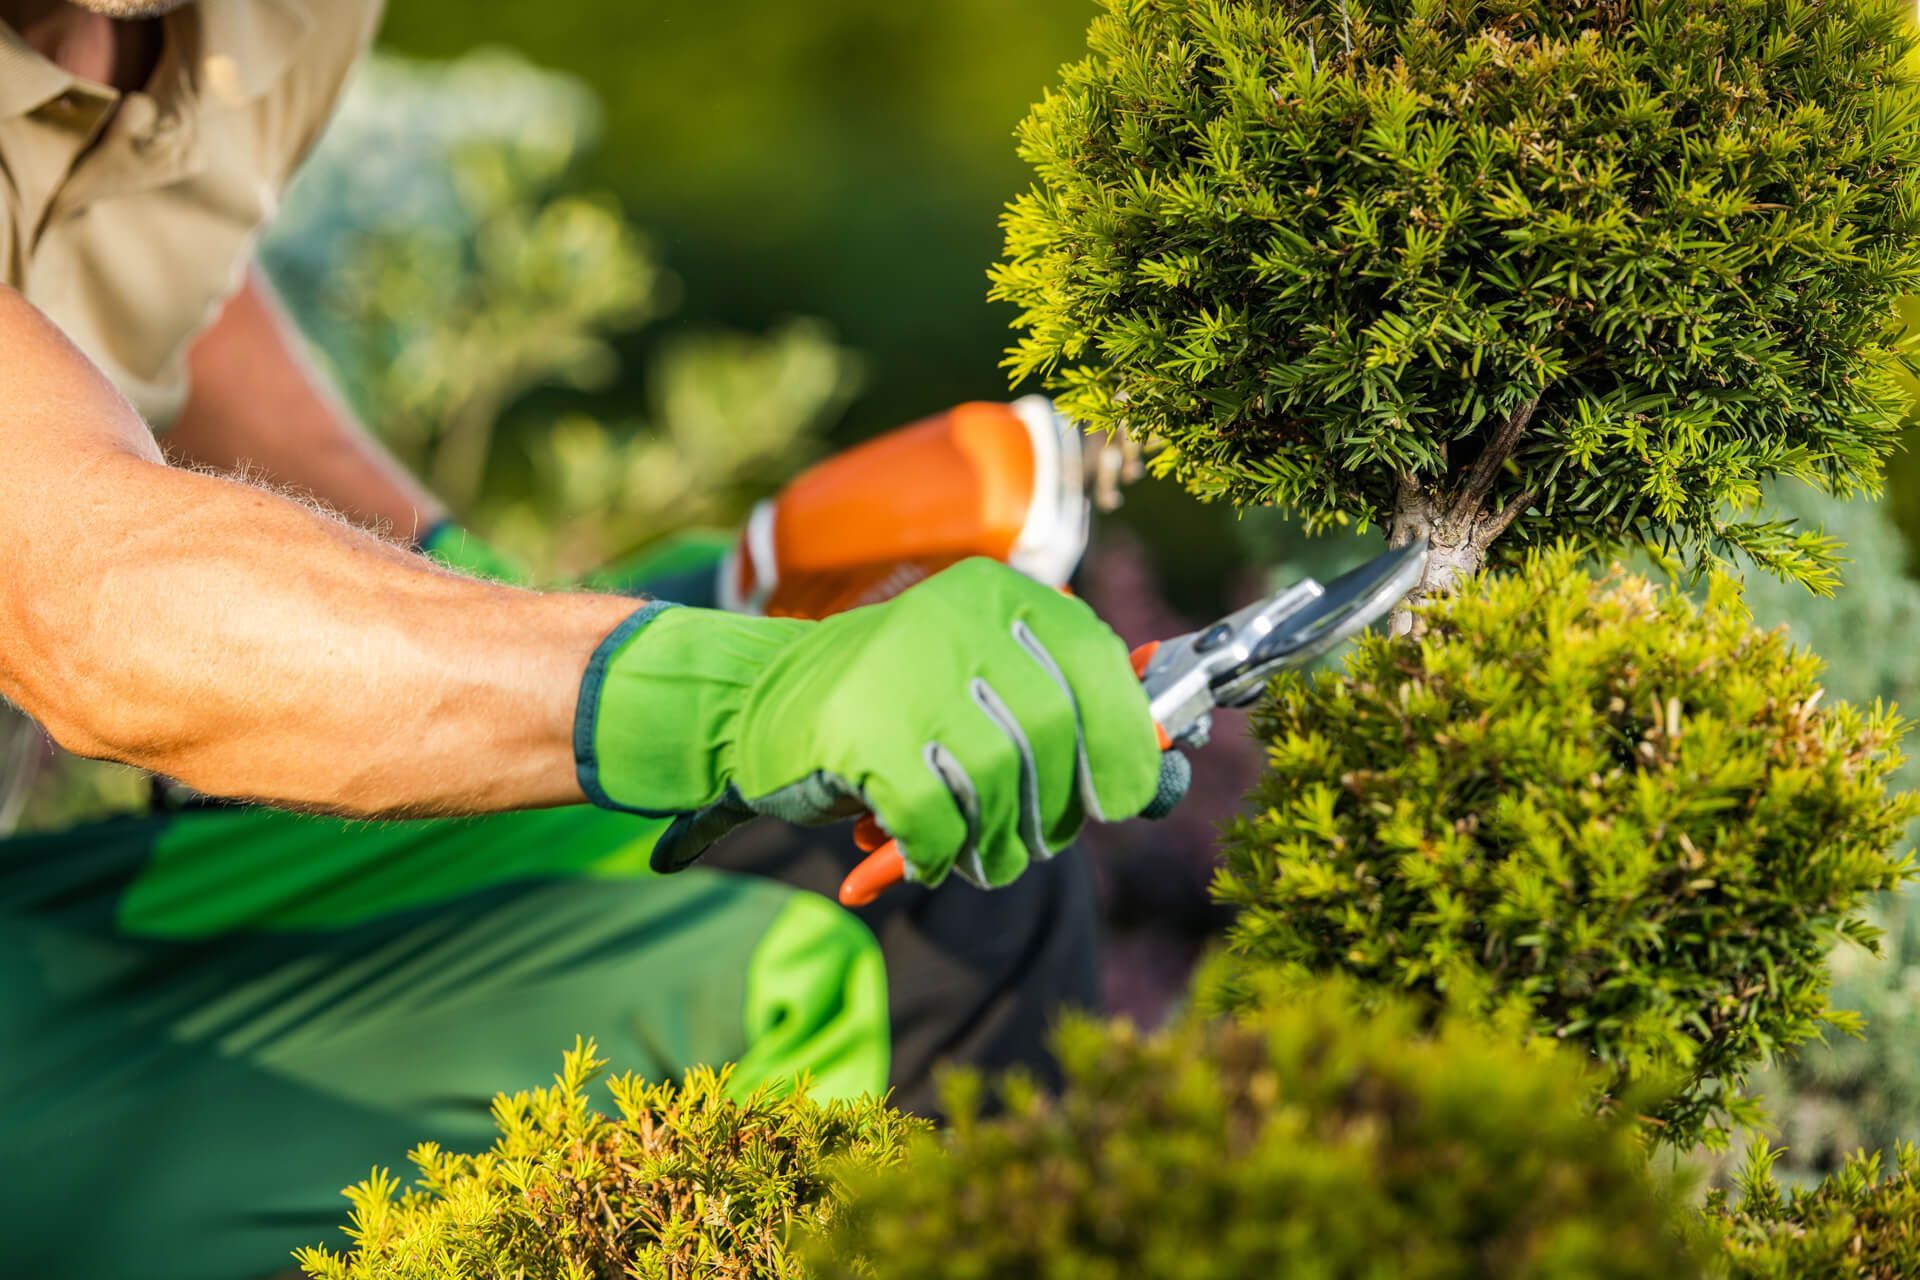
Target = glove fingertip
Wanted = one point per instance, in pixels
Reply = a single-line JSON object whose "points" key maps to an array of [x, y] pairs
{"points": [[689, 836], [675, 850], [1121, 786], [1176, 777]]}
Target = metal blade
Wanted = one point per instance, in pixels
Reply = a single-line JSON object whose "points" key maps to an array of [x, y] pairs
{"points": [[1349, 605]]}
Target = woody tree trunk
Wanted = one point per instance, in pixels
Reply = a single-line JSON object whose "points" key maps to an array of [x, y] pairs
{"points": [[1456, 518]]}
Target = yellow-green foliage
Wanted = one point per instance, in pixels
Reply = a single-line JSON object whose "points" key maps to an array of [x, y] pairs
{"points": [[1324, 246], [685, 1182], [1862, 1223], [1588, 807], [1303, 1140]]}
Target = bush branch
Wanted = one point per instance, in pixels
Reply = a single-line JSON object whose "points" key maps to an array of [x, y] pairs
{"points": [[1486, 468], [1508, 514]]}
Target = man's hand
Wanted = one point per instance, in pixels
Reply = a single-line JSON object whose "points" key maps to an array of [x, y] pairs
{"points": [[980, 716]]}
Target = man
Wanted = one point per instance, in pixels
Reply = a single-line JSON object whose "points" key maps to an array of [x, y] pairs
{"points": [[211, 1020]]}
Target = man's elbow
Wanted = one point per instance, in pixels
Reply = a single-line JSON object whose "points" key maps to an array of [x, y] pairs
{"points": [[54, 668]]}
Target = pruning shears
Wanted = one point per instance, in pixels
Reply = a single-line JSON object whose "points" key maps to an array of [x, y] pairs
{"points": [[1224, 665]]}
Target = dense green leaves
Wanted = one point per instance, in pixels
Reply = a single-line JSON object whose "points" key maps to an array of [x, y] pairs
{"points": [[1862, 1223], [685, 1182], [1322, 245], [1303, 1140], [1589, 808]]}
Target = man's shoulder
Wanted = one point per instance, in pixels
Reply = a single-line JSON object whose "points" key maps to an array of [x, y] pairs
{"points": [[256, 47], [292, 58], [333, 34]]}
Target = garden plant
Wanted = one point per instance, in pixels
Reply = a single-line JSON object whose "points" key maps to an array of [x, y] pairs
{"points": [[1297, 1140], [686, 1180], [1466, 268], [1587, 806], [1862, 1223]]}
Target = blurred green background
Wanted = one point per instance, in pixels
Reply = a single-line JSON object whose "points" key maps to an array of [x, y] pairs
{"points": [[845, 159]]}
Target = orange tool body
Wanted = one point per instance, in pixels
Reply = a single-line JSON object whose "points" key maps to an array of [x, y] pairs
{"points": [[1224, 665], [1002, 481]]}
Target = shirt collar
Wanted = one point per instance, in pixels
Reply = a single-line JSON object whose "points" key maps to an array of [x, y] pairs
{"points": [[26, 78], [239, 49]]}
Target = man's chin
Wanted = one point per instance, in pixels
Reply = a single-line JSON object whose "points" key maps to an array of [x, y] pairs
{"points": [[130, 10]]}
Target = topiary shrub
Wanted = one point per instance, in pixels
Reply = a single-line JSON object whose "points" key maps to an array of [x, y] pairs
{"points": [[1586, 270], [1859, 1224], [684, 1182], [1301, 1140], [1589, 807]]}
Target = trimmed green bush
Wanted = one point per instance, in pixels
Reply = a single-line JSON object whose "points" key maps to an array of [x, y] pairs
{"points": [[1590, 808], [1862, 1223], [685, 1182], [1585, 270], [1302, 1140]]}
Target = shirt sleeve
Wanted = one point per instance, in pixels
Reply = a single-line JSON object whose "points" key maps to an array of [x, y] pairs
{"points": [[305, 99]]}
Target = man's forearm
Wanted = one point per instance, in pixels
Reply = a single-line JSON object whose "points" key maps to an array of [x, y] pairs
{"points": [[250, 647], [225, 635]]}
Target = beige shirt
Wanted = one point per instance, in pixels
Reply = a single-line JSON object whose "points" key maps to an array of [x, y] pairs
{"points": [[129, 218]]}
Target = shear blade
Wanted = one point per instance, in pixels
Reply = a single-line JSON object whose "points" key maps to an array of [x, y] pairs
{"points": [[1350, 603]]}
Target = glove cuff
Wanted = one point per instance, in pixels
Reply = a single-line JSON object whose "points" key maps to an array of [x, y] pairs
{"points": [[653, 731]]}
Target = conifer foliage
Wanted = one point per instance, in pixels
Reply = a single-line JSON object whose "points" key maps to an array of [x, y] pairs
{"points": [[1586, 270], [1861, 1223], [686, 1182], [1301, 1140], [1588, 807]]}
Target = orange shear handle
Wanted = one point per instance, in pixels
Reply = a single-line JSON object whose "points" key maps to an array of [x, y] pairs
{"points": [[884, 867]]}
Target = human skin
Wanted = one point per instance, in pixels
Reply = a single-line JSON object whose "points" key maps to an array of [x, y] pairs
{"points": [[217, 632], [258, 408], [113, 42]]}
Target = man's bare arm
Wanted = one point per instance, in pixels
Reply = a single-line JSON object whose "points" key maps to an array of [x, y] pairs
{"points": [[226, 636], [258, 406]]}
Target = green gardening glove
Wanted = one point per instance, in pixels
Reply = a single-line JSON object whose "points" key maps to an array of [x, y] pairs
{"points": [[980, 716]]}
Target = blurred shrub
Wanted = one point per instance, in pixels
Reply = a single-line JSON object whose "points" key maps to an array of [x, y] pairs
{"points": [[1590, 808], [1301, 1140], [838, 158], [424, 248], [1862, 1223], [1832, 1098], [684, 1182], [730, 418], [431, 252]]}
